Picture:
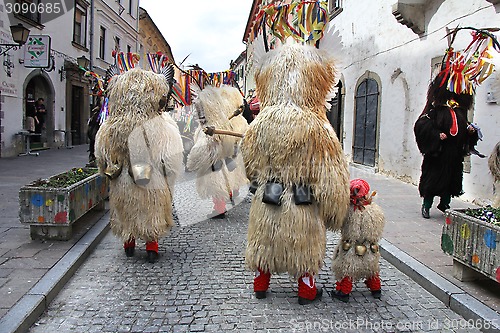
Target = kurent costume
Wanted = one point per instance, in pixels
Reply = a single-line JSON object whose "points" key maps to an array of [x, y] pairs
{"points": [[140, 148], [217, 159], [494, 166], [442, 132], [442, 166], [357, 254], [296, 164]]}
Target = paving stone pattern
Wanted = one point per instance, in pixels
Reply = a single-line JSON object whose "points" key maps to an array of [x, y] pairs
{"points": [[200, 284]]}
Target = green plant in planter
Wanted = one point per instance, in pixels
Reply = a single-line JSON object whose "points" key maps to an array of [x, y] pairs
{"points": [[65, 179], [487, 214]]}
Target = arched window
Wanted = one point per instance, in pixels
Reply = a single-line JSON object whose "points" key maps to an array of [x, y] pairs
{"points": [[365, 124]]}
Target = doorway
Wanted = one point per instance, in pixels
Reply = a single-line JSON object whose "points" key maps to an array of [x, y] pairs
{"points": [[76, 115], [39, 86], [365, 126]]}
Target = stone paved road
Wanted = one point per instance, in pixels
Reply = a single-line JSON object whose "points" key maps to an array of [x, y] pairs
{"points": [[199, 284]]}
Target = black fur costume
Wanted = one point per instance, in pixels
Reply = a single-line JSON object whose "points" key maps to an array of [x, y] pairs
{"points": [[442, 166]]}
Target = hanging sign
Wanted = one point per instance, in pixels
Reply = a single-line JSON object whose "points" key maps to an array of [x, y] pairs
{"points": [[37, 51]]}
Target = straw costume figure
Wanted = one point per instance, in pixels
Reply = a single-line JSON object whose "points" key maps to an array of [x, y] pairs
{"points": [[297, 167], [140, 148], [216, 158], [357, 254], [494, 166]]}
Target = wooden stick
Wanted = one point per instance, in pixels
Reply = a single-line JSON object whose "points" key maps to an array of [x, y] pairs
{"points": [[210, 130]]}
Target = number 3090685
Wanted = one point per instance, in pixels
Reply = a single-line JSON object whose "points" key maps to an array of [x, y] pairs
{"points": [[32, 8]]}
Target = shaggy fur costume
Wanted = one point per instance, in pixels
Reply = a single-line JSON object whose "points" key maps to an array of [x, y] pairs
{"points": [[218, 104], [442, 166], [292, 142], [494, 166], [362, 226], [133, 124]]}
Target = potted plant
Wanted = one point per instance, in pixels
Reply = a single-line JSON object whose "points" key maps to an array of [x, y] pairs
{"points": [[51, 206], [471, 237]]}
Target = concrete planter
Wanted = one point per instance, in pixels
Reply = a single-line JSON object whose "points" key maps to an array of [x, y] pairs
{"points": [[473, 245], [51, 212]]}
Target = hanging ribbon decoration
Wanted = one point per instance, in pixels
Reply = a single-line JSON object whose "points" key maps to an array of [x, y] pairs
{"points": [[473, 65], [156, 61], [125, 61], [304, 21]]}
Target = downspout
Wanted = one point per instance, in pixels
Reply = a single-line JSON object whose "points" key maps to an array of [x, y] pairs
{"points": [[91, 34]]}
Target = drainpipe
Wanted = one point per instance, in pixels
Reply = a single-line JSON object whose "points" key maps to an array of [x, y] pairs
{"points": [[91, 33]]}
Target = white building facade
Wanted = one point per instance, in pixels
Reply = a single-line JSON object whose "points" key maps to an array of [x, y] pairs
{"points": [[74, 29], [395, 63], [391, 51]]}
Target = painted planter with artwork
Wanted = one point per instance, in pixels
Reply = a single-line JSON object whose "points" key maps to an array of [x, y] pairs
{"points": [[473, 243], [52, 206]]}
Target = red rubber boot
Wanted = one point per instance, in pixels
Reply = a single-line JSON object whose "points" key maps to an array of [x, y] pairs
{"points": [[308, 292], [261, 283], [343, 289], [129, 247], [152, 250], [373, 282]]}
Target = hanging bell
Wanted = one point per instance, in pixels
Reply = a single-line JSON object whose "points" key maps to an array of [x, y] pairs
{"points": [[360, 249], [141, 173], [346, 245], [112, 171], [374, 247]]}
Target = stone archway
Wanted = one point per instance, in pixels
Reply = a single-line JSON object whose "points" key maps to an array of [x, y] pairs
{"points": [[38, 84]]}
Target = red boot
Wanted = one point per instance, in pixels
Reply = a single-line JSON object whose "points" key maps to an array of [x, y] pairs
{"points": [[261, 283], [375, 286], [129, 247], [343, 289], [152, 250], [219, 211], [307, 289]]}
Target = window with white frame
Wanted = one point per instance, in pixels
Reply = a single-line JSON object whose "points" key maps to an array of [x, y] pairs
{"points": [[30, 14], [334, 7], [131, 7], [102, 43], [80, 25]]}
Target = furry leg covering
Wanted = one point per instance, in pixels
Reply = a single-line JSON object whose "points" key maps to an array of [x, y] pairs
{"points": [[129, 247], [219, 205], [261, 280], [344, 285], [373, 282], [129, 244], [152, 246], [307, 287]]}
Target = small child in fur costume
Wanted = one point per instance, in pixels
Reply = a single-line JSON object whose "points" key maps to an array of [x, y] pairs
{"points": [[216, 159], [296, 162], [357, 254], [140, 148]]}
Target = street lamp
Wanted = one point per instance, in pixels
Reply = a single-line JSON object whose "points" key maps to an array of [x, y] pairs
{"points": [[83, 62], [19, 35]]}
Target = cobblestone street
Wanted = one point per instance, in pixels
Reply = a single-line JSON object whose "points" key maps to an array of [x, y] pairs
{"points": [[200, 284]]}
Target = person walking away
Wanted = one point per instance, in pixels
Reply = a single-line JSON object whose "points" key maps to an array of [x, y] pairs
{"points": [[444, 137]]}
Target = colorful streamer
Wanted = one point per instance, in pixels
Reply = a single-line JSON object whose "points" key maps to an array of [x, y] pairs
{"points": [[304, 21], [473, 65]]}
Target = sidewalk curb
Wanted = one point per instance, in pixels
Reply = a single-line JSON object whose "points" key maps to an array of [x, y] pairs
{"points": [[32, 305], [452, 296]]}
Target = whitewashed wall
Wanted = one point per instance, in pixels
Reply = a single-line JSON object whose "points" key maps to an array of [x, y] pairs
{"points": [[376, 43]]}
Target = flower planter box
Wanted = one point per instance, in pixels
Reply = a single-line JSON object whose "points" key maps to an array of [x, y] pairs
{"points": [[473, 245], [51, 212]]}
